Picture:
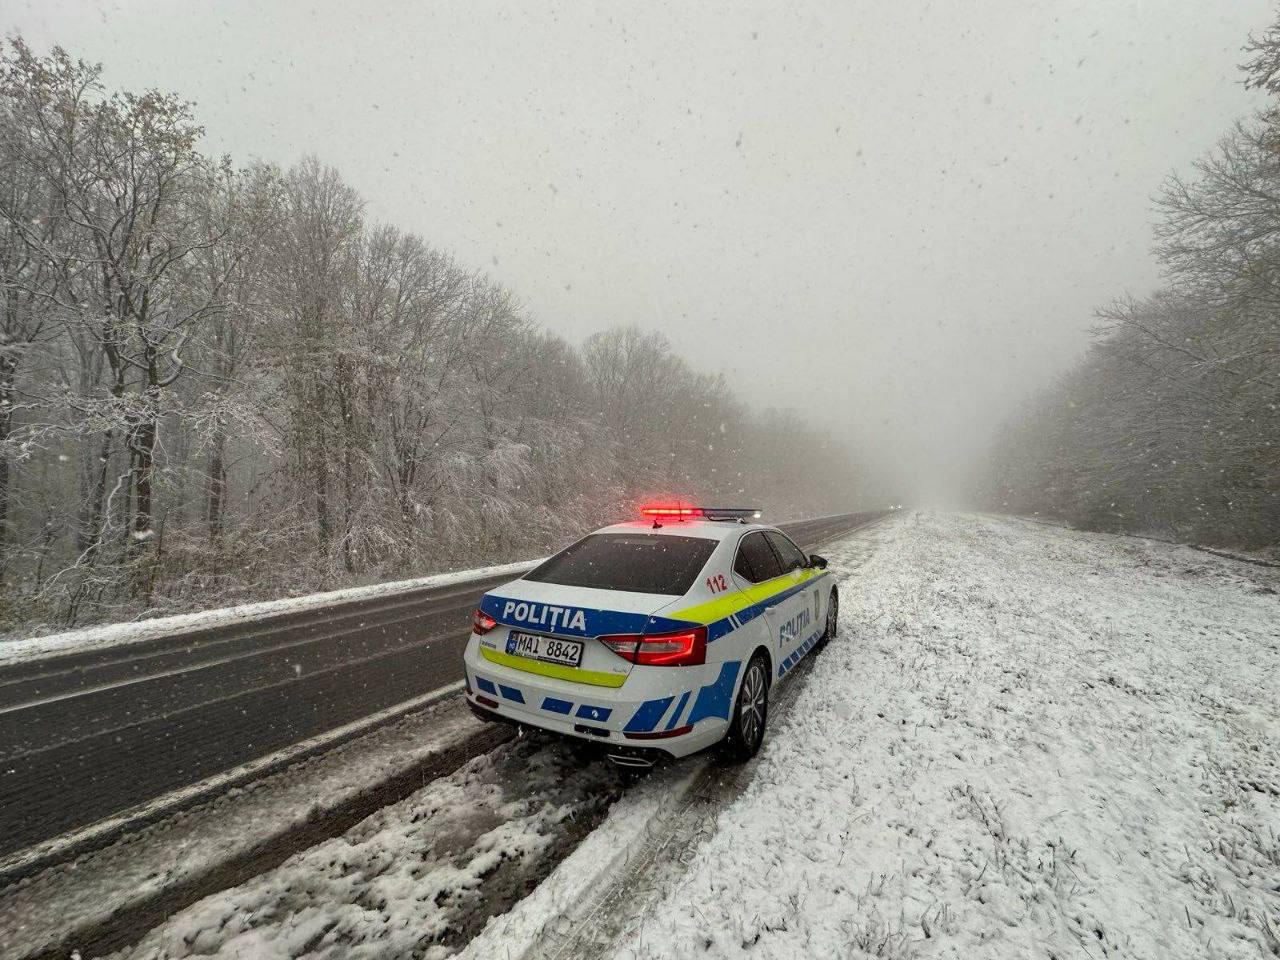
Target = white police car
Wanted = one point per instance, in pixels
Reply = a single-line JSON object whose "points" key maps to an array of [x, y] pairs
{"points": [[656, 638]]}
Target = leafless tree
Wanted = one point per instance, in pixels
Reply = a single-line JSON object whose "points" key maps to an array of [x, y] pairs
{"points": [[219, 384]]}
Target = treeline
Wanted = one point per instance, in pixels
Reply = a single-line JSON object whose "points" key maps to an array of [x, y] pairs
{"points": [[221, 383], [1172, 423]]}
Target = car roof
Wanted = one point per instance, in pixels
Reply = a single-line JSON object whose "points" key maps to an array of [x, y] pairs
{"points": [[699, 527]]}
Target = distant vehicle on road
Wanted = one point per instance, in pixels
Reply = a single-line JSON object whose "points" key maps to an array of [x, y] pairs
{"points": [[656, 638]]}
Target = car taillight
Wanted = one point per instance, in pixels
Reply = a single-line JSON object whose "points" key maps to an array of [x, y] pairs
{"points": [[481, 622], [685, 648]]}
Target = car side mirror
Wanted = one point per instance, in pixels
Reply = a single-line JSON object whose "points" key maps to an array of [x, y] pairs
{"points": [[817, 561]]}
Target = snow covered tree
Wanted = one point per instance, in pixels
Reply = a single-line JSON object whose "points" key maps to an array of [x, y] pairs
{"points": [[221, 384]]}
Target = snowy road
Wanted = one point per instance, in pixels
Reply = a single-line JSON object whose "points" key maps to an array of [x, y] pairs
{"points": [[1028, 742], [185, 699], [423, 876]]}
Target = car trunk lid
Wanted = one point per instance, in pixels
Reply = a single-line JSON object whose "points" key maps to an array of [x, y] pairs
{"points": [[570, 613]]}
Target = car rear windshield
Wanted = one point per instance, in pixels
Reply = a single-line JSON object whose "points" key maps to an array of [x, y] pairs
{"points": [[637, 563]]}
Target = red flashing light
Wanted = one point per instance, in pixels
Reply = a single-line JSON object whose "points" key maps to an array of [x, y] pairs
{"points": [[672, 512], [481, 622], [686, 648]]}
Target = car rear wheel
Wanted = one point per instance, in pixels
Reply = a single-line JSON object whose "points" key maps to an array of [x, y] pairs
{"points": [[751, 712], [833, 619]]}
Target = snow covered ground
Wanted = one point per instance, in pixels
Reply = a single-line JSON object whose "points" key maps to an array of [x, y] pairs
{"points": [[96, 889], [1027, 742], [417, 879]]}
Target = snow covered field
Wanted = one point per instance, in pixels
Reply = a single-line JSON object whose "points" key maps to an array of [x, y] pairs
{"points": [[1027, 742]]}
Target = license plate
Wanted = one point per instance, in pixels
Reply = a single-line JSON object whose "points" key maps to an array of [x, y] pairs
{"points": [[547, 649]]}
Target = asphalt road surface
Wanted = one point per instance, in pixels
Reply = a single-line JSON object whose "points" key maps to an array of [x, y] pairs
{"points": [[88, 735]]}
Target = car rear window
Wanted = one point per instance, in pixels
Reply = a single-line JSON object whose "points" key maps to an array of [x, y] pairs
{"points": [[637, 563]]}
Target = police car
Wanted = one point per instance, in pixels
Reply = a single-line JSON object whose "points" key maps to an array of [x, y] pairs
{"points": [[656, 638]]}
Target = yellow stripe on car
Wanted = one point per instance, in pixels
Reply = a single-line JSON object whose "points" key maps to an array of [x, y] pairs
{"points": [[721, 607], [560, 672]]}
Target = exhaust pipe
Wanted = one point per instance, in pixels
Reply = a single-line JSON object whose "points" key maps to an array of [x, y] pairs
{"points": [[622, 760]]}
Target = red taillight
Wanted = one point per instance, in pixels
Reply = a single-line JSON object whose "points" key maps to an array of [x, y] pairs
{"points": [[481, 622], [686, 648]]}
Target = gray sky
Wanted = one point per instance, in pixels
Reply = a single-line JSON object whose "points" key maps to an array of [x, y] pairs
{"points": [[897, 215]]}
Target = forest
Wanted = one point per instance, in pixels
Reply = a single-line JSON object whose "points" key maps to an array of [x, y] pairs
{"points": [[223, 382], [1170, 426]]}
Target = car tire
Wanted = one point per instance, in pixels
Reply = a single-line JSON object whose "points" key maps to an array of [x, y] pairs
{"points": [[750, 711], [832, 626]]}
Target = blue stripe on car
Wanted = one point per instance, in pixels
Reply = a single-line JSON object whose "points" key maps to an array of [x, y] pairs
{"points": [[790, 663], [714, 699], [511, 693], [486, 685], [675, 716], [588, 712], [720, 627], [596, 623], [648, 715], [557, 706]]}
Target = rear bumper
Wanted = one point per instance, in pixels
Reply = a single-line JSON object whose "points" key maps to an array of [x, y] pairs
{"points": [[620, 753], [659, 711]]}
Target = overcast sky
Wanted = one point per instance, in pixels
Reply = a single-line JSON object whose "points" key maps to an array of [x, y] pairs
{"points": [[897, 215]]}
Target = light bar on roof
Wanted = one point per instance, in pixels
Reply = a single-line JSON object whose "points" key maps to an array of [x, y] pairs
{"points": [[681, 512], [732, 513]]}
